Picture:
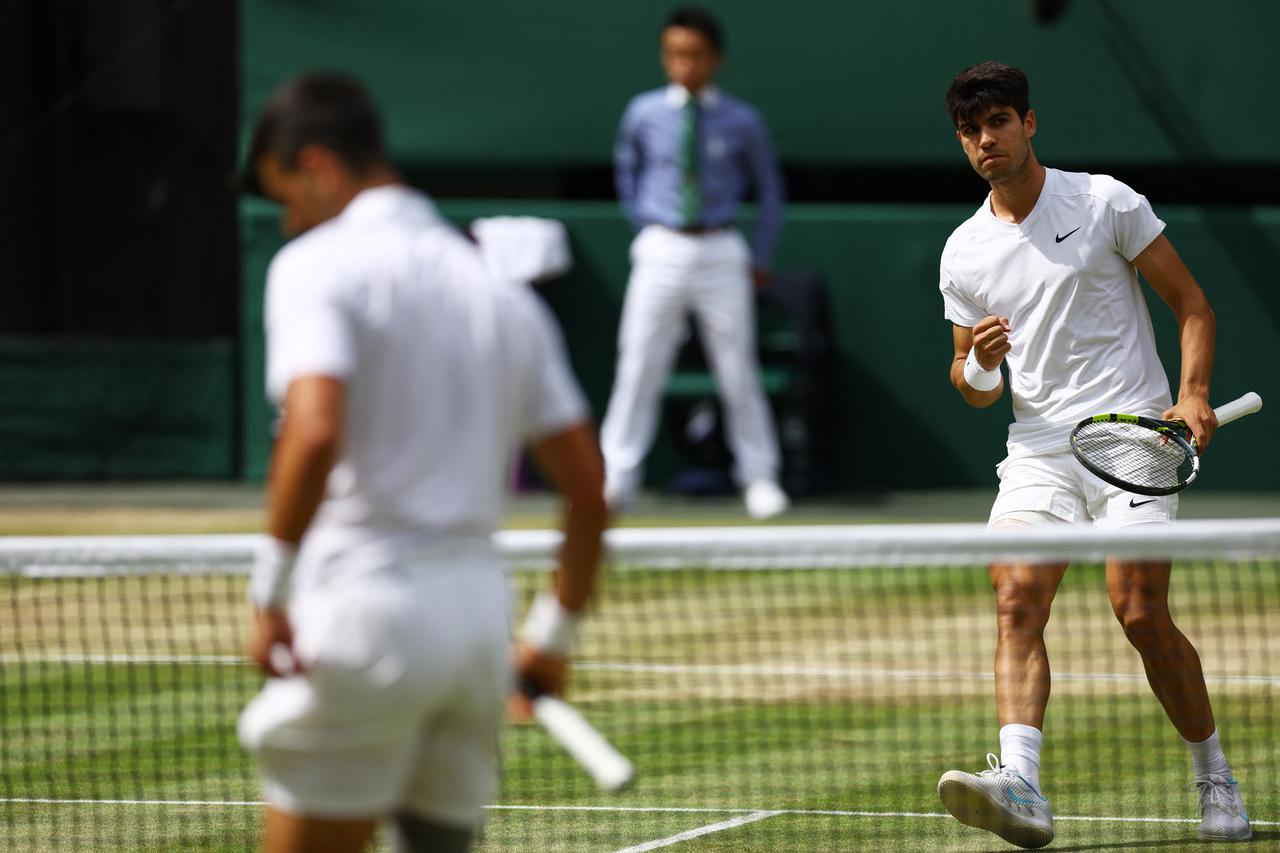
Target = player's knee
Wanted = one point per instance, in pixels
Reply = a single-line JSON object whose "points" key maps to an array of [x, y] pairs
{"points": [[1021, 609], [414, 834], [1145, 625]]}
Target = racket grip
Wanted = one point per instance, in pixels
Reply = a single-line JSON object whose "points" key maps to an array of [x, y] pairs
{"points": [[1238, 408], [609, 768], [528, 688]]}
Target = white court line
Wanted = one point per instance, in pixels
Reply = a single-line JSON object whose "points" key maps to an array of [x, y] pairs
{"points": [[625, 809], [673, 809], [847, 813], [55, 802], [885, 674], [207, 660], [761, 670], [752, 817]]}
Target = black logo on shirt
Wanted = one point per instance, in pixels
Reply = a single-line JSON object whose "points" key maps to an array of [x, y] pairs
{"points": [[1059, 239], [1133, 505]]}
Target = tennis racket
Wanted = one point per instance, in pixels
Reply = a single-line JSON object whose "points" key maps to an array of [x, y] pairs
{"points": [[609, 768], [1147, 456]]}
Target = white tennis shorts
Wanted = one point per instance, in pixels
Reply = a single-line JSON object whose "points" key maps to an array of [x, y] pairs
{"points": [[1056, 488], [401, 705]]}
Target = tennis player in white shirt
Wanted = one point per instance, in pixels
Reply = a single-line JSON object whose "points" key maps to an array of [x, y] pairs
{"points": [[407, 377], [1042, 279]]}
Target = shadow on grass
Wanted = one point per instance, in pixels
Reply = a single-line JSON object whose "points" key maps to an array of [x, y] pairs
{"points": [[1260, 841]]}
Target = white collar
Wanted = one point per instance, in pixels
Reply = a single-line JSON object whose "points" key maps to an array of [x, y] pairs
{"points": [[391, 201], [678, 96]]}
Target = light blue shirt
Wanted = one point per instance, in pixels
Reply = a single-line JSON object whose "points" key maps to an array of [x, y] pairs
{"points": [[734, 157]]}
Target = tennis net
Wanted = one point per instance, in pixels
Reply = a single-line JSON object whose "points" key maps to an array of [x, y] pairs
{"points": [[777, 688]]}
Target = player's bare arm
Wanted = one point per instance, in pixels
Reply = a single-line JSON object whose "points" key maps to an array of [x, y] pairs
{"points": [[305, 451], [988, 341], [1169, 277], [570, 459]]}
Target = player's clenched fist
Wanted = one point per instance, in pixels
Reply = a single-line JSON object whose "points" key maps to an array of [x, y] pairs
{"points": [[991, 341]]}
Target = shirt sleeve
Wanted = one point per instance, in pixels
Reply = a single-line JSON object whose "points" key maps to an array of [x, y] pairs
{"points": [[309, 328], [628, 160], [770, 192], [556, 401], [1133, 223], [957, 306]]}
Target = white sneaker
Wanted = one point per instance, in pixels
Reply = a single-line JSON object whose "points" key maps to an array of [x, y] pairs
{"points": [[765, 500], [1222, 814], [1000, 801]]}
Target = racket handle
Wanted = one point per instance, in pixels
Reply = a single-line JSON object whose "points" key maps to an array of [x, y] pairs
{"points": [[1238, 408], [609, 768]]}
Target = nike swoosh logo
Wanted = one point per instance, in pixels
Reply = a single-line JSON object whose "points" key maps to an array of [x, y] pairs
{"points": [[1059, 239], [1133, 505]]}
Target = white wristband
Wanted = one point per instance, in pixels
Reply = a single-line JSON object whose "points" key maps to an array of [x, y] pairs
{"points": [[548, 626], [272, 570], [978, 377]]}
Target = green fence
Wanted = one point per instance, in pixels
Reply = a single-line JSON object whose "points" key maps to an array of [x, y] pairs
{"points": [[111, 409]]}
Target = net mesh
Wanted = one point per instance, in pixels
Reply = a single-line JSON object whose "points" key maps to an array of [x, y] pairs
{"points": [[1133, 454], [777, 689]]}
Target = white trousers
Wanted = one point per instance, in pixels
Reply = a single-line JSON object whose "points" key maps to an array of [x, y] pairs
{"points": [[673, 274]]}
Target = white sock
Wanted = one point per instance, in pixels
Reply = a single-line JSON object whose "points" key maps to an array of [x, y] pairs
{"points": [[1020, 750], [1207, 757]]}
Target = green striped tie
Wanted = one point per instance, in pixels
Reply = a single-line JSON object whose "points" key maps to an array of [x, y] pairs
{"points": [[690, 191]]}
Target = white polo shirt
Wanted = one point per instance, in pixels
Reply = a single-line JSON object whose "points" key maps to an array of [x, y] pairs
{"points": [[446, 371], [1080, 332]]}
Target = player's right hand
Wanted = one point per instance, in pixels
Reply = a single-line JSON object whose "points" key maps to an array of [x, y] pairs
{"points": [[1198, 415], [546, 671], [270, 644], [991, 341]]}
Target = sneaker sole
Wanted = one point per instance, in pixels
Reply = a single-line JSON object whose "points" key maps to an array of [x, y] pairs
{"points": [[973, 806], [1228, 838]]}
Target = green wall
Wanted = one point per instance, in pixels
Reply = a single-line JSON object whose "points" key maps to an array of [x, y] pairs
{"points": [[514, 82], [509, 85], [515, 87], [904, 425], [110, 409]]}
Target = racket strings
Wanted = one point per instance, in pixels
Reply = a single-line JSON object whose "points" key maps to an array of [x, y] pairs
{"points": [[1134, 454]]}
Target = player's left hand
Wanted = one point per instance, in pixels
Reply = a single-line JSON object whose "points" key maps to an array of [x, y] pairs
{"points": [[1198, 415], [270, 644], [548, 671]]}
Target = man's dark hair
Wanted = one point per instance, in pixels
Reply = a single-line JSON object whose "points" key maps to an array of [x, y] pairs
{"points": [[700, 21], [980, 87], [331, 110]]}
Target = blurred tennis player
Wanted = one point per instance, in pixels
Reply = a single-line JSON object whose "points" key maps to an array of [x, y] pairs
{"points": [[1042, 279], [407, 377]]}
